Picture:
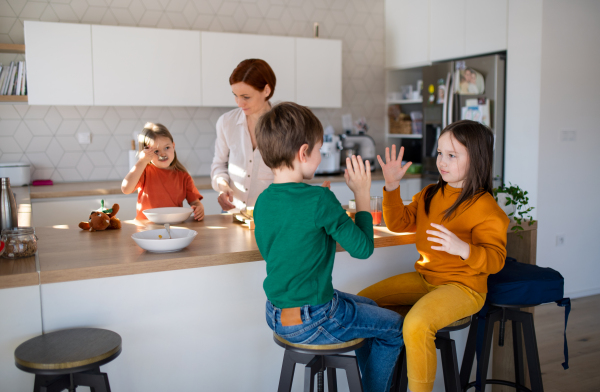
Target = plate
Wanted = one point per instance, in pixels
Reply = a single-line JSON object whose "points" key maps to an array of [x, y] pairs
{"points": [[149, 240], [168, 214]]}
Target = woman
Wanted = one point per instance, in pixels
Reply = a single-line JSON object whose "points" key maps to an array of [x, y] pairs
{"points": [[238, 171]]}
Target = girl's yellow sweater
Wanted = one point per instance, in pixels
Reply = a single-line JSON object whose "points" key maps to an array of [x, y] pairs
{"points": [[482, 225]]}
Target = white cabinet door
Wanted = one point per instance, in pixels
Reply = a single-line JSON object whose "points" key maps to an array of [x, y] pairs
{"points": [[486, 26], [59, 63], [222, 52], [406, 33], [319, 72], [136, 66], [447, 29]]}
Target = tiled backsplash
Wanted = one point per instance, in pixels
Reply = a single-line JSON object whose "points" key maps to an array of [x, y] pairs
{"points": [[46, 136]]}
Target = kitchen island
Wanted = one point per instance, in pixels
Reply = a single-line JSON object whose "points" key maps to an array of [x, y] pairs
{"points": [[190, 320]]}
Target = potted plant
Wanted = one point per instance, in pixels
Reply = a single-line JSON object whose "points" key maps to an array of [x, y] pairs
{"points": [[514, 201]]}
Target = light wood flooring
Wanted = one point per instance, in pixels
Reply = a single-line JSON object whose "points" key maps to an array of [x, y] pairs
{"points": [[583, 336]]}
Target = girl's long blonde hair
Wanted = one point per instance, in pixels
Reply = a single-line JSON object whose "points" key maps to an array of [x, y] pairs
{"points": [[150, 132]]}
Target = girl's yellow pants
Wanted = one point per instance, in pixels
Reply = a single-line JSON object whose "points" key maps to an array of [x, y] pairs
{"points": [[433, 308]]}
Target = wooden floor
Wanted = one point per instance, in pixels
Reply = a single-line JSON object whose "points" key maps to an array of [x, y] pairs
{"points": [[583, 334]]}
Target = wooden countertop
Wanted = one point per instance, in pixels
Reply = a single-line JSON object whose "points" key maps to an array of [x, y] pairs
{"points": [[99, 188]]}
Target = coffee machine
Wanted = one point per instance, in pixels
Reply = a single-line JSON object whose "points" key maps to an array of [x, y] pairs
{"points": [[330, 155], [358, 144]]}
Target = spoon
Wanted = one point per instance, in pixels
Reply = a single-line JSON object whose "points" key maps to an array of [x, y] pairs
{"points": [[168, 228]]}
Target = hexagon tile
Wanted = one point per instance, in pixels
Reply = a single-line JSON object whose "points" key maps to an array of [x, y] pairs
{"points": [[46, 137]]}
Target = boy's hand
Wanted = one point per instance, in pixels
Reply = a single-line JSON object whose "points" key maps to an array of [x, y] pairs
{"points": [[198, 211], [358, 178], [450, 243], [326, 184], [393, 171]]}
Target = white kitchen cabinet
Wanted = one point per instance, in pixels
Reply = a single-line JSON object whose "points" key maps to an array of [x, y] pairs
{"points": [[406, 33], [222, 52], [486, 26], [446, 29], [136, 66], [319, 72], [59, 63]]}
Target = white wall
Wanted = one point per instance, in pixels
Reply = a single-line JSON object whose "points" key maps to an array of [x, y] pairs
{"points": [[523, 64], [568, 184]]}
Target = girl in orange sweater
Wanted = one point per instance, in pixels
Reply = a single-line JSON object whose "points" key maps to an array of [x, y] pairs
{"points": [[461, 237], [161, 179]]}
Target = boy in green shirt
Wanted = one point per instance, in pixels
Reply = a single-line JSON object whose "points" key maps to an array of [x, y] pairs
{"points": [[297, 227]]}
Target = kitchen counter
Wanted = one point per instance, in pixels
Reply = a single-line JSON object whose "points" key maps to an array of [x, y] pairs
{"points": [[99, 188]]}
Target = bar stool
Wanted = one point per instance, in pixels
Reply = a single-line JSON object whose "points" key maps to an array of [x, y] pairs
{"points": [[447, 349], [503, 313], [69, 358], [319, 358]]}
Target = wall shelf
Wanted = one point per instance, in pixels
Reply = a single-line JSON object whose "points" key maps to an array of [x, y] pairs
{"points": [[12, 48], [13, 98], [405, 136], [405, 101]]}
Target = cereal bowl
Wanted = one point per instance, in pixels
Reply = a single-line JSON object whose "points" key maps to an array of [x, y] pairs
{"points": [[168, 214], [158, 241]]}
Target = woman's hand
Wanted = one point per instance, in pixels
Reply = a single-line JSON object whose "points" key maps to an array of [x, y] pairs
{"points": [[449, 242], [225, 199], [358, 178], [198, 210], [393, 171]]}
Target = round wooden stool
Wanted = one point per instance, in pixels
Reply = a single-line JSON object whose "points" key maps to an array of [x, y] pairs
{"points": [[447, 349], [317, 359], [69, 358]]}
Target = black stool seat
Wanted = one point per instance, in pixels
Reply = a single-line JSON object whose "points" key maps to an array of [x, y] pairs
{"points": [[319, 358], [447, 349], [57, 357], [520, 321]]}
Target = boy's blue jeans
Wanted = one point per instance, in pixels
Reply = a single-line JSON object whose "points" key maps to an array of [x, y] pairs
{"points": [[342, 319]]}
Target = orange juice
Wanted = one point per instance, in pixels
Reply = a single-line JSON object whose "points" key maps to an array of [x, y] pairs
{"points": [[376, 217]]}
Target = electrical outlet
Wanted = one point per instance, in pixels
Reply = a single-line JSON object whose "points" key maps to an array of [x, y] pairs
{"points": [[560, 240], [568, 135], [84, 138]]}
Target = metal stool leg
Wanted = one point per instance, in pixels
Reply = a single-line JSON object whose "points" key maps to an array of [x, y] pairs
{"points": [[518, 354], [486, 350], [533, 359], [350, 365], [312, 368], [470, 351], [287, 372], [400, 381], [331, 380], [447, 348]]}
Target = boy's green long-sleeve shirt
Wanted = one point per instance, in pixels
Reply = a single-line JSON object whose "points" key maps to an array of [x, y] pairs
{"points": [[297, 227]]}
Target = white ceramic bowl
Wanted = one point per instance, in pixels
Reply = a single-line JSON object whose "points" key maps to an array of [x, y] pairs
{"points": [[150, 240], [168, 214]]}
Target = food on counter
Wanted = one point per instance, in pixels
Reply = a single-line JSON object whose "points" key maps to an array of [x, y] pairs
{"points": [[19, 242]]}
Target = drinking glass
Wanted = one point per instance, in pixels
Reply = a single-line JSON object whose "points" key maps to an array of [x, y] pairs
{"points": [[376, 210]]}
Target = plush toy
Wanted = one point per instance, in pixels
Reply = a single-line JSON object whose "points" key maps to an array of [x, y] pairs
{"points": [[103, 219]]}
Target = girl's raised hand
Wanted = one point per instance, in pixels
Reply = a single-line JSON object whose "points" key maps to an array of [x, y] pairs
{"points": [[393, 171], [449, 242]]}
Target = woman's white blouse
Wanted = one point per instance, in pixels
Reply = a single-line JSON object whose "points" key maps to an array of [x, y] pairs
{"points": [[235, 161]]}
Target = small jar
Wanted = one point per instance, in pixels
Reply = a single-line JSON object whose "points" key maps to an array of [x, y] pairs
{"points": [[19, 242]]}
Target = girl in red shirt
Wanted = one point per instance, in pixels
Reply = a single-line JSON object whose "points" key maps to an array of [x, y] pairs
{"points": [[161, 179]]}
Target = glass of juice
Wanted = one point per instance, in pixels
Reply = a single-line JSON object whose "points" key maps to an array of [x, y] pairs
{"points": [[376, 210]]}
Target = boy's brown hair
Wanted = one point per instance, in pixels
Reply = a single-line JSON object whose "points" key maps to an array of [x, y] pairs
{"points": [[283, 130]]}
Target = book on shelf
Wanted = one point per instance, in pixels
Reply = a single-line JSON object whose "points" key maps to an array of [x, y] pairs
{"points": [[2, 76], [13, 78], [17, 90], [7, 78], [24, 83]]}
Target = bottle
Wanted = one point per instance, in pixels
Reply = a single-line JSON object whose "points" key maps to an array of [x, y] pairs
{"points": [[8, 205]]}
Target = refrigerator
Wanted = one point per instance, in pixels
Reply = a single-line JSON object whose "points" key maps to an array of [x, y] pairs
{"points": [[472, 88]]}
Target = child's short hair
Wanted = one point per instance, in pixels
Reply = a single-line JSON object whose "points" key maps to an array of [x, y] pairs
{"points": [[283, 130]]}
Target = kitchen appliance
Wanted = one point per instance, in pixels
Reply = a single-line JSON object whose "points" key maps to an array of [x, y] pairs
{"points": [[330, 155], [486, 89], [362, 144], [8, 206], [18, 173]]}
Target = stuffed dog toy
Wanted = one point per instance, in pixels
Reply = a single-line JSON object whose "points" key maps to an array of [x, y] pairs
{"points": [[102, 219]]}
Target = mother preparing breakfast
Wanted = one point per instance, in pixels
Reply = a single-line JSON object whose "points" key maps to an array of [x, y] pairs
{"points": [[238, 171]]}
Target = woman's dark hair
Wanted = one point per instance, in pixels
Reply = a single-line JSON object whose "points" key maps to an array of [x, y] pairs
{"points": [[479, 141], [256, 73]]}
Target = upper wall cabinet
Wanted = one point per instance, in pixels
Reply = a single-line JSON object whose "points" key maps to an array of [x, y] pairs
{"points": [[146, 67], [447, 29], [222, 52], [486, 28], [319, 72], [59, 63], [406, 33]]}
